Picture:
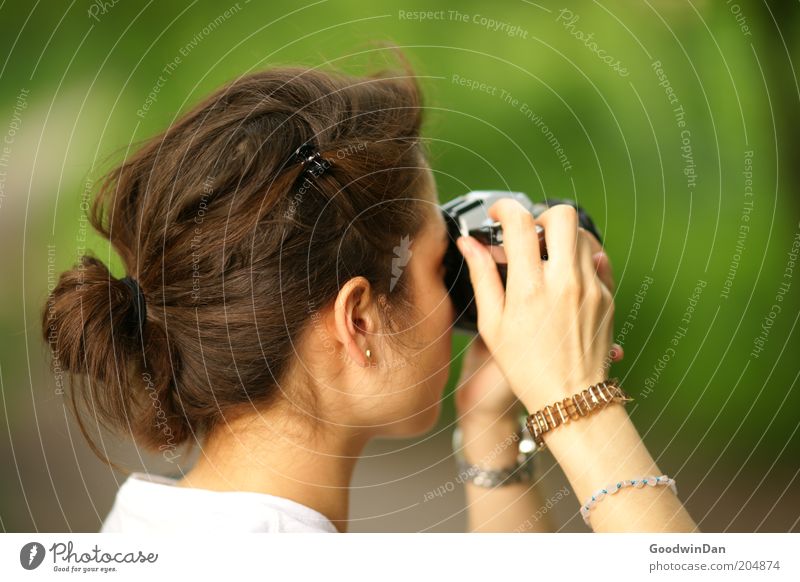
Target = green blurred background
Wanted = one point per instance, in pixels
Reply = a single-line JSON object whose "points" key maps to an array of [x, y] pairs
{"points": [[517, 99]]}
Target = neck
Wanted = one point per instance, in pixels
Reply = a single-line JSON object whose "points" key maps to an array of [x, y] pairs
{"points": [[265, 452]]}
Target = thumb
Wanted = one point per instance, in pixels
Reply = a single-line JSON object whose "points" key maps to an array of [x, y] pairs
{"points": [[485, 279]]}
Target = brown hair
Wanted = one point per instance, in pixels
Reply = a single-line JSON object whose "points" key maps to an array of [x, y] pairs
{"points": [[235, 248]]}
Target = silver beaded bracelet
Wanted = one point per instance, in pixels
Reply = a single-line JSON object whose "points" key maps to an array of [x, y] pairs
{"points": [[519, 472], [651, 481]]}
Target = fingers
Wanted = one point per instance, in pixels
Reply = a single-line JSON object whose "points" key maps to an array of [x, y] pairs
{"points": [[485, 279], [572, 252], [560, 224], [603, 267], [601, 259], [521, 245], [595, 292], [586, 262]]}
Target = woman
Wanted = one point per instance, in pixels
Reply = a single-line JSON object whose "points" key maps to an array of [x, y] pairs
{"points": [[266, 317]]}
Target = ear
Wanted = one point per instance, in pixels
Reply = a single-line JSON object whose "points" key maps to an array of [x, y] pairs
{"points": [[355, 319]]}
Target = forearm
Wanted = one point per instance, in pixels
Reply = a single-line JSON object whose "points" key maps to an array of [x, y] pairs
{"points": [[513, 507], [604, 448]]}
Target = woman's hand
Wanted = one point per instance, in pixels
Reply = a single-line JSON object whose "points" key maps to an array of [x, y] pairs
{"points": [[550, 333], [483, 391], [550, 329]]}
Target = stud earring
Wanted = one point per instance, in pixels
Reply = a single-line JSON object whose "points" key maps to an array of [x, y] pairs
{"points": [[368, 353]]}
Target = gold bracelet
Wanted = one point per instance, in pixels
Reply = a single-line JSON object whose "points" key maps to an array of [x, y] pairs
{"points": [[577, 406]]}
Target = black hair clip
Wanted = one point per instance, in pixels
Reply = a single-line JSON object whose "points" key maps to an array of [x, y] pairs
{"points": [[139, 302], [311, 159]]}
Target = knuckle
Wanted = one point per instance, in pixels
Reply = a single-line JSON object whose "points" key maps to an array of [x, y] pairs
{"points": [[530, 290], [564, 212], [517, 214], [560, 281], [610, 307], [570, 287], [507, 207], [593, 294], [608, 297], [526, 218], [588, 238]]}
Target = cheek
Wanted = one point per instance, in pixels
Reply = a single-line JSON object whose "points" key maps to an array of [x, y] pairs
{"points": [[438, 329], [434, 306], [433, 330]]}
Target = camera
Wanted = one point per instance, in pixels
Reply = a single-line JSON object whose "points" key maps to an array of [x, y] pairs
{"points": [[468, 215]]}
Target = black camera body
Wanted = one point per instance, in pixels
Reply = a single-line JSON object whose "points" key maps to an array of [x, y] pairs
{"points": [[468, 215]]}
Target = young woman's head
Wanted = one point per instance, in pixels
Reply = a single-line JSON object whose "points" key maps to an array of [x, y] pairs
{"points": [[266, 286]]}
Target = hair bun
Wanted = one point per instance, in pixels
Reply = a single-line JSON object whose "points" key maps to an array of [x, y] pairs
{"points": [[91, 324]]}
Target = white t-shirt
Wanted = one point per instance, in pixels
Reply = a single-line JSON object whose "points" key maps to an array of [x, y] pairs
{"points": [[154, 504]]}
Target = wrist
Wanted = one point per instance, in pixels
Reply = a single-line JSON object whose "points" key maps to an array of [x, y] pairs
{"points": [[580, 439], [490, 442], [579, 406], [546, 393], [600, 449], [477, 424], [477, 418]]}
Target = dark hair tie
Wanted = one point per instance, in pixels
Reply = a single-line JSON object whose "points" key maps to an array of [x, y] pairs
{"points": [[139, 304], [313, 163]]}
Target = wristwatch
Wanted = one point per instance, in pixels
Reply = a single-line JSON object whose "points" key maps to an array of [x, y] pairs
{"points": [[519, 472]]}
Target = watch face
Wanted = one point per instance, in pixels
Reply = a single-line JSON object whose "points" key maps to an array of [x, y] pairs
{"points": [[468, 215], [521, 471]]}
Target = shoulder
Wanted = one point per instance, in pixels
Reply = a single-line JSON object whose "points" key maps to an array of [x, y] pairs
{"points": [[147, 503]]}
